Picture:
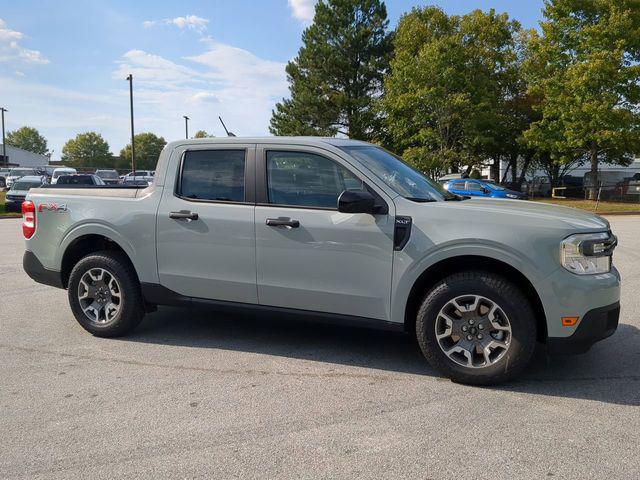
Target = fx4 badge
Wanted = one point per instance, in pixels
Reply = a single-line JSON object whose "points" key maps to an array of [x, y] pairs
{"points": [[53, 207]]}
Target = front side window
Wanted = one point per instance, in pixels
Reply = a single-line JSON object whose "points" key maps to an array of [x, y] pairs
{"points": [[307, 180], [216, 175]]}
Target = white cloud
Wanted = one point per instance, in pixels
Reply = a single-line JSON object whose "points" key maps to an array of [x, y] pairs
{"points": [[218, 79], [152, 69], [303, 10], [12, 51], [221, 80], [189, 22]]}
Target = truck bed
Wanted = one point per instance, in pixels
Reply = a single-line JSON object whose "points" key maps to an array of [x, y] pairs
{"points": [[117, 191]]}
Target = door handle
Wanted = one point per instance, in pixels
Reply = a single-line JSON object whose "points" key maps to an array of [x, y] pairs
{"points": [[282, 222], [183, 215]]}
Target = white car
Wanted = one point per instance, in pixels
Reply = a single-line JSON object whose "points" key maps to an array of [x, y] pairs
{"points": [[58, 172], [18, 172]]}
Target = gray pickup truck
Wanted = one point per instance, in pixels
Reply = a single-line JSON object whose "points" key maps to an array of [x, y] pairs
{"points": [[332, 229]]}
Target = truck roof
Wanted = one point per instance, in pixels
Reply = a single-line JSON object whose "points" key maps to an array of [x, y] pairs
{"points": [[317, 141]]}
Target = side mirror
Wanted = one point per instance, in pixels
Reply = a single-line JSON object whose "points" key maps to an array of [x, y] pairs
{"points": [[356, 201], [485, 190]]}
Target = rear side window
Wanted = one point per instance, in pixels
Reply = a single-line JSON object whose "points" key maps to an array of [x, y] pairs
{"points": [[213, 175], [307, 180], [475, 186], [458, 185]]}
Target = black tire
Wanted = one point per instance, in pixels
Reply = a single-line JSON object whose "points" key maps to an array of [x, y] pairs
{"points": [[131, 306], [504, 294]]}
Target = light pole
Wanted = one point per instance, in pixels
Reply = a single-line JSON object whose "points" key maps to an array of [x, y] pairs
{"points": [[186, 126], [133, 146], [5, 160]]}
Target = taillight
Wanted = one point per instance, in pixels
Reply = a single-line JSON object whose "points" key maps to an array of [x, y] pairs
{"points": [[28, 219]]}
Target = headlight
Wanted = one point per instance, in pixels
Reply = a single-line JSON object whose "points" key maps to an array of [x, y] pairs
{"points": [[588, 253], [511, 195]]}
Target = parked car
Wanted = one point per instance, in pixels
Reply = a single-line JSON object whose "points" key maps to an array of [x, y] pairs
{"points": [[4, 173], [482, 188], [18, 172], [80, 179], [19, 189], [58, 172], [142, 177], [630, 187], [451, 176], [46, 170], [336, 229], [110, 177]]}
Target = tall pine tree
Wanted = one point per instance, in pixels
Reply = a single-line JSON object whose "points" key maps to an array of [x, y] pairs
{"points": [[337, 75]]}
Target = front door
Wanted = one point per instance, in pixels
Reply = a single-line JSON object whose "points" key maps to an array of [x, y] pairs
{"points": [[205, 226], [309, 255]]}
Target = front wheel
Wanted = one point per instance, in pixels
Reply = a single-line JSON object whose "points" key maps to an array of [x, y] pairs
{"points": [[477, 328], [104, 294]]}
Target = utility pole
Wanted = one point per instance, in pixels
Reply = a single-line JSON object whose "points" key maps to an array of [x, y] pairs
{"points": [[133, 146], [5, 160], [186, 126]]}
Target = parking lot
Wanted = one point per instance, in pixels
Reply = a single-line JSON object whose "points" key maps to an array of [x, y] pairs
{"points": [[198, 395]]}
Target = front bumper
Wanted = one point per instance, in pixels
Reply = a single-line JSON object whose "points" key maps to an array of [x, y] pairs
{"points": [[596, 325], [39, 273]]}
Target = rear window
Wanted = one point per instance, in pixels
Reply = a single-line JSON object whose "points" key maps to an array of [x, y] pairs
{"points": [[75, 180], [216, 175], [109, 175]]}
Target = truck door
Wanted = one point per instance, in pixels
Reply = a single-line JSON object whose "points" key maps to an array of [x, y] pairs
{"points": [[309, 255], [205, 224]]}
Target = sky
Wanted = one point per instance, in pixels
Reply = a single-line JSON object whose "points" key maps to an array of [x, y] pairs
{"points": [[63, 64]]}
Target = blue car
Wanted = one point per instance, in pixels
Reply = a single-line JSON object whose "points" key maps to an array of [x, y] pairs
{"points": [[481, 188]]}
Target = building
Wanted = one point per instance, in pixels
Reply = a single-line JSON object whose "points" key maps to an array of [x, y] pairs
{"points": [[22, 158]]}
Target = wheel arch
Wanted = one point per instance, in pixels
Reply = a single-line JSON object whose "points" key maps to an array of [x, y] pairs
{"points": [[84, 245], [439, 270]]}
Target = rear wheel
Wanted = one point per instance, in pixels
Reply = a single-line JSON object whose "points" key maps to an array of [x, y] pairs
{"points": [[477, 328], [104, 294]]}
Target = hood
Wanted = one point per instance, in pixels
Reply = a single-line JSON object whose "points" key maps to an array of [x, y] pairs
{"points": [[514, 213]]}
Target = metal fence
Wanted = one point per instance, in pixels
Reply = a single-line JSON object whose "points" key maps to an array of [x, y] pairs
{"points": [[627, 191]]}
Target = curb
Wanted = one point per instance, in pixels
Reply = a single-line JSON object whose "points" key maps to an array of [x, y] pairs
{"points": [[618, 214]]}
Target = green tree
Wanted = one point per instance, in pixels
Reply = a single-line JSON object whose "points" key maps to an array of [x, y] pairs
{"points": [[87, 149], [338, 72], [445, 101], [587, 74], [148, 148], [29, 139], [202, 134]]}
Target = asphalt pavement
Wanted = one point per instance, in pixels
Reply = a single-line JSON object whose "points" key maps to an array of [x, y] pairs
{"points": [[194, 394]]}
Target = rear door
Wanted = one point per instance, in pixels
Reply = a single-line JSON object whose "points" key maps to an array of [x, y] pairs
{"points": [[324, 260], [205, 226]]}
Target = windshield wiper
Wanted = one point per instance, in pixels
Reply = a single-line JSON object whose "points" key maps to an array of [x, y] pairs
{"points": [[421, 200]]}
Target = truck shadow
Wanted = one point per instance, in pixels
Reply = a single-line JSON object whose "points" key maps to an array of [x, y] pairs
{"points": [[607, 373]]}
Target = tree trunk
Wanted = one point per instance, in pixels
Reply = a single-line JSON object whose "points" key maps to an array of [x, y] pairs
{"points": [[593, 184], [527, 161]]}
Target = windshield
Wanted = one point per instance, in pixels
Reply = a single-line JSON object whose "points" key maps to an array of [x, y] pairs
{"points": [[108, 174], [21, 172], [399, 176], [24, 185], [493, 185]]}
